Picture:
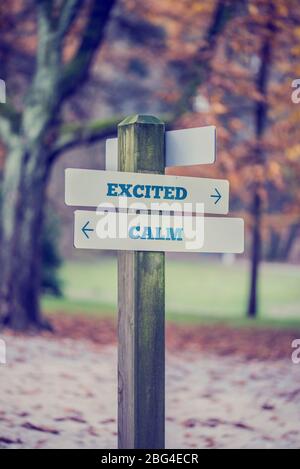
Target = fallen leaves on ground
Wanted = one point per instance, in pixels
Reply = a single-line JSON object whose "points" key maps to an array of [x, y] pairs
{"points": [[10, 441], [40, 428], [64, 392], [249, 343]]}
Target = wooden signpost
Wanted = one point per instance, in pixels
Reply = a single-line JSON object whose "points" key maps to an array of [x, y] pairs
{"points": [[141, 292], [142, 158]]}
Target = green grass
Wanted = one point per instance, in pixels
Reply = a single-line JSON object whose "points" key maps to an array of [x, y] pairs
{"points": [[196, 291]]}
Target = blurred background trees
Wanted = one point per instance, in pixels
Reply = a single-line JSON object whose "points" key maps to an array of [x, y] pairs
{"points": [[74, 68], [33, 138], [248, 98]]}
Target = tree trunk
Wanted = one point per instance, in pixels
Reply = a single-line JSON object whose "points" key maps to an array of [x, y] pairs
{"points": [[260, 122], [293, 233], [30, 140], [255, 256], [273, 251], [23, 193]]}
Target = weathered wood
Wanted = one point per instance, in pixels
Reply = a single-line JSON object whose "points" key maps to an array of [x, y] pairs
{"points": [[141, 286]]}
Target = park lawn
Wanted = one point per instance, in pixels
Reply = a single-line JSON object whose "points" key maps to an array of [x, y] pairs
{"points": [[196, 291]]}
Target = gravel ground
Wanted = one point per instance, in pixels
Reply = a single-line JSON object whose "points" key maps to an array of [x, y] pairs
{"points": [[61, 393]]}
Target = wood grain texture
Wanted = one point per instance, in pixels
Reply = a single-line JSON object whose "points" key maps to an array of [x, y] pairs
{"points": [[141, 290]]}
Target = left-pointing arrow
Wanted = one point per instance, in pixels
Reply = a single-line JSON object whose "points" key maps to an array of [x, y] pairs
{"points": [[85, 230]]}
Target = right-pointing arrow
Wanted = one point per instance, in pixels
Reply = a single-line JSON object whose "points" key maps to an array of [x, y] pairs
{"points": [[85, 230], [216, 196]]}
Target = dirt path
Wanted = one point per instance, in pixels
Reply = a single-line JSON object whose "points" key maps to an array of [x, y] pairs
{"points": [[61, 393]]}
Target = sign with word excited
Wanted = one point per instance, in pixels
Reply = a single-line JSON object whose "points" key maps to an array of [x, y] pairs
{"points": [[89, 188]]}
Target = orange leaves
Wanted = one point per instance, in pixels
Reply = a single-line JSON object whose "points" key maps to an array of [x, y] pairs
{"points": [[236, 124], [297, 32], [253, 10], [258, 174], [293, 153], [282, 8], [218, 108], [274, 174]]}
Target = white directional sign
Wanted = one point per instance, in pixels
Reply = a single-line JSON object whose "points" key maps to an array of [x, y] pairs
{"points": [[89, 188], [2, 92], [186, 147], [142, 232]]}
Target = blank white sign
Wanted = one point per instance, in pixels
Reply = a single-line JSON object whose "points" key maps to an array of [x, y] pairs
{"points": [[93, 230], [186, 147], [2, 91]]}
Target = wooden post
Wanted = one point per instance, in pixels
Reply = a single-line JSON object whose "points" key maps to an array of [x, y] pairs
{"points": [[141, 289]]}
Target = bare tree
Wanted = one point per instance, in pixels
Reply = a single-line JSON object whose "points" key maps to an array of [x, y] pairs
{"points": [[261, 122], [34, 138]]}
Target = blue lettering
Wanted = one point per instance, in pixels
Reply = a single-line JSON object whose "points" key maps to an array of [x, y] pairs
{"points": [[147, 192], [181, 193], [147, 233], [125, 190], [135, 190], [140, 191], [157, 190], [131, 232], [169, 192], [175, 234], [158, 233], [155, 234], [111, 189]]}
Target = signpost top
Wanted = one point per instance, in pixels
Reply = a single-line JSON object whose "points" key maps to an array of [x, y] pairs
{"points": [[141, 119], [184, 147]]}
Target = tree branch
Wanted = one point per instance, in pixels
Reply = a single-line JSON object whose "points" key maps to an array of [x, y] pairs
{"points": [[201, 64], [9, 122], [46, 34], [68, 14], [76, 70], [75, 135]]}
